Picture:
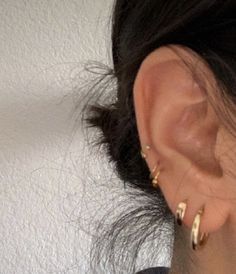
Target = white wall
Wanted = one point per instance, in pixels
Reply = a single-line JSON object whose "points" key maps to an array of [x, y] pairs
{"points": [[46, 191], [43, 44]]}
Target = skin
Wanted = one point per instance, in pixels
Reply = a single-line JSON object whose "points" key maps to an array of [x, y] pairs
{"points": [[195, 152]]}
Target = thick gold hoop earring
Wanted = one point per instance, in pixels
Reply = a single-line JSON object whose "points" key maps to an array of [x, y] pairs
{"points": [[180, 212], [198, 239]]}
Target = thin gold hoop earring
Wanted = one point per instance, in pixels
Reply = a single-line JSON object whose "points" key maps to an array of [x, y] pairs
{"points": [[152, 172], [143, 154], [154, 178], [198, 239], [155, 181], [180, 212]]}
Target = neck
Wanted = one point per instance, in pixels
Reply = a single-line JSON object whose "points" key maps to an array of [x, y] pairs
{"points": [[218, 256]]}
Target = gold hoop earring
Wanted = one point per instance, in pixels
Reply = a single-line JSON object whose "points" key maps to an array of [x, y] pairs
{"points": [[198, 239], [152, 172], [143, 154], [155, 181], [180, 212]]}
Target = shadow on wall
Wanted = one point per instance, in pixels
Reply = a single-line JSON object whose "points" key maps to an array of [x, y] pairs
{"points": [[42, 163]]}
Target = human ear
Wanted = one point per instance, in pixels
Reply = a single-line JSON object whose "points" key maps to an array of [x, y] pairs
{"points": [[175, 118]]}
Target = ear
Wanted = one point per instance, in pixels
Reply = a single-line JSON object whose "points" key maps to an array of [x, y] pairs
{"points": [[175, 118]]}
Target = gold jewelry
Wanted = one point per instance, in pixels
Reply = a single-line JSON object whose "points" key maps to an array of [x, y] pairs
{"points": [[155, 181], [143, 154], [180, 212], [152, 172], [198, 239]]}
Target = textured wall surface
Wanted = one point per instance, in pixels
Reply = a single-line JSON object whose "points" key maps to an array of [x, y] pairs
{"points": [[42, 47], [45, 186]]}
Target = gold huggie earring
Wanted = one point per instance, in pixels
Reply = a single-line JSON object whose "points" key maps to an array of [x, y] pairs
{"points": [[180, 212], [143, 154], [155, 178], [198, 239], [152, 172], [155, 181]]}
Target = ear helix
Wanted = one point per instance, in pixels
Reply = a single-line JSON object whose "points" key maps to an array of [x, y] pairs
{"points": [[155, 173]]}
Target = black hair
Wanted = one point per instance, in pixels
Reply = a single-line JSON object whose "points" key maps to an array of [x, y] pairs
{"points": [[207, 27]]}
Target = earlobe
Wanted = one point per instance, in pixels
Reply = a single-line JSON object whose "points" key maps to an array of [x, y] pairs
{"points": [[175, 118]]}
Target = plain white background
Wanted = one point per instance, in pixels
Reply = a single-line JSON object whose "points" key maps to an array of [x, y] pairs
{"points": [[45, 190]]}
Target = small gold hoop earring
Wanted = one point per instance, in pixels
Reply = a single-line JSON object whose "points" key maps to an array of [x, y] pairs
{"points": [[155, 181], [198, 239], [143, 154], [180, 212]]}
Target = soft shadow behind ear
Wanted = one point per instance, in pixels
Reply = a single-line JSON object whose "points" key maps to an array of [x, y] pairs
{"points": [[176, 119]]}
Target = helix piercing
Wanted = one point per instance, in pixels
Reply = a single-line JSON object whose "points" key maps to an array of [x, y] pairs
{"points": [[155, 181], [198, 239], [180, 212], [154, 178], [143, 154], [152, 172]]}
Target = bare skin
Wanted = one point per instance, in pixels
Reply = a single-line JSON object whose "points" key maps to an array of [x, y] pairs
{"points": [[196, 154]]}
